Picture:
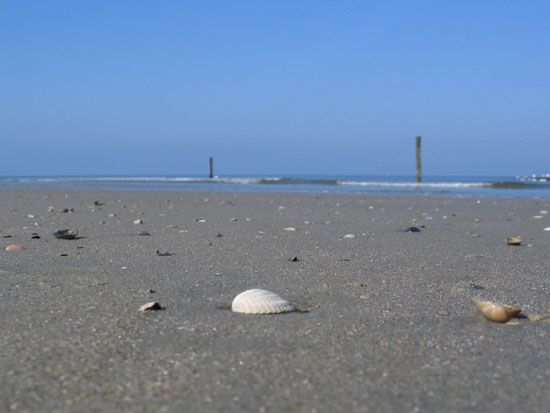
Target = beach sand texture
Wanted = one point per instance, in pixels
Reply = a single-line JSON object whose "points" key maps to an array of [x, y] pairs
{"points": [[391, 325]]}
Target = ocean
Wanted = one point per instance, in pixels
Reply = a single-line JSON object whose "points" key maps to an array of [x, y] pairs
{"points": [[509, 187]]}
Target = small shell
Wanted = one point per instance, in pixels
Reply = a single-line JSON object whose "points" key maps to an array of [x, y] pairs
{"points": [[150, 306], [497, 312], [257, 301], [14, 248], [513, 240]]}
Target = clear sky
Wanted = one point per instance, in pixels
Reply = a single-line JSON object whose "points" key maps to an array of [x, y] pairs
{"points": [[274, 87]]}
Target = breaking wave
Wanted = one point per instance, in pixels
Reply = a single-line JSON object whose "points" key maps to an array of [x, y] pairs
{"points": [[457, 185]]}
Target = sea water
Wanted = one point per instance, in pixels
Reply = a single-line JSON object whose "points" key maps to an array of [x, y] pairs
{"points": [[462, 186]]}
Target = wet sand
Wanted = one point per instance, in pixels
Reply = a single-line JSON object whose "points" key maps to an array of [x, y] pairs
{"points": [[391, 325]]}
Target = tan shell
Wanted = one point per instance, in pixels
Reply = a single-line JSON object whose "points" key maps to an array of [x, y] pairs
{"points": [[258, 301], [497, 312], [14, 248], [513, 240]]}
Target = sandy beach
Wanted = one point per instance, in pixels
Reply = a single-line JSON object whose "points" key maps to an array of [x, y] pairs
{"points": [[388, 325]]}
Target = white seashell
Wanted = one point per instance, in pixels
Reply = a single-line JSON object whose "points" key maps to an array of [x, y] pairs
{"points": [[258, 301], [289, 229], [150, 306], [138, 221], [349, 236], [547, 229]]}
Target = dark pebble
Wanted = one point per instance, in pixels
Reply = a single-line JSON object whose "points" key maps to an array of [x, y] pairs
{"points": [[476, 286], [66, 234], [163, 254]]}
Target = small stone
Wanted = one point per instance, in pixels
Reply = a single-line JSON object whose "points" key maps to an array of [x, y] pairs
{"points": [[233, 219], [412, 229], [14, 248], [538, 217], [143, 233], [289, 229], [294, 259], [200, 220], [163, 254], [66, 234], [35, 236], [63, 254], [150, 306], [547, 229], [146, 291], [218, 235], [98, 203], [475, 286], [7, 236], [349, 236], [138, 221], [51, 209], [543, 212]]}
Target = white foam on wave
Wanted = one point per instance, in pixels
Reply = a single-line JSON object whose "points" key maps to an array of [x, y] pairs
{"points": [[167, 179], [415, 184]]}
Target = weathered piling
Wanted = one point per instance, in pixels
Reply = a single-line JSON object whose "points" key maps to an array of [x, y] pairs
{"points": [[211, 167], [418, 159]]}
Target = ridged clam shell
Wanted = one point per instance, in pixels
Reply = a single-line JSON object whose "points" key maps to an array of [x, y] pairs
{"points": [[258, 301]]}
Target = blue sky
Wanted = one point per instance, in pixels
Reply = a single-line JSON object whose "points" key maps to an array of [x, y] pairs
{"points": [[274, 87]]}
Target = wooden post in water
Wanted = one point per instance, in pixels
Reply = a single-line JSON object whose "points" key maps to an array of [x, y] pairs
{"points": [[211, 167], [418, 159]]}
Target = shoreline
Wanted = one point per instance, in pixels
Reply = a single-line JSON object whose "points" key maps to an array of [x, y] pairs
{"points": [[391, 324], [362, 185]]}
